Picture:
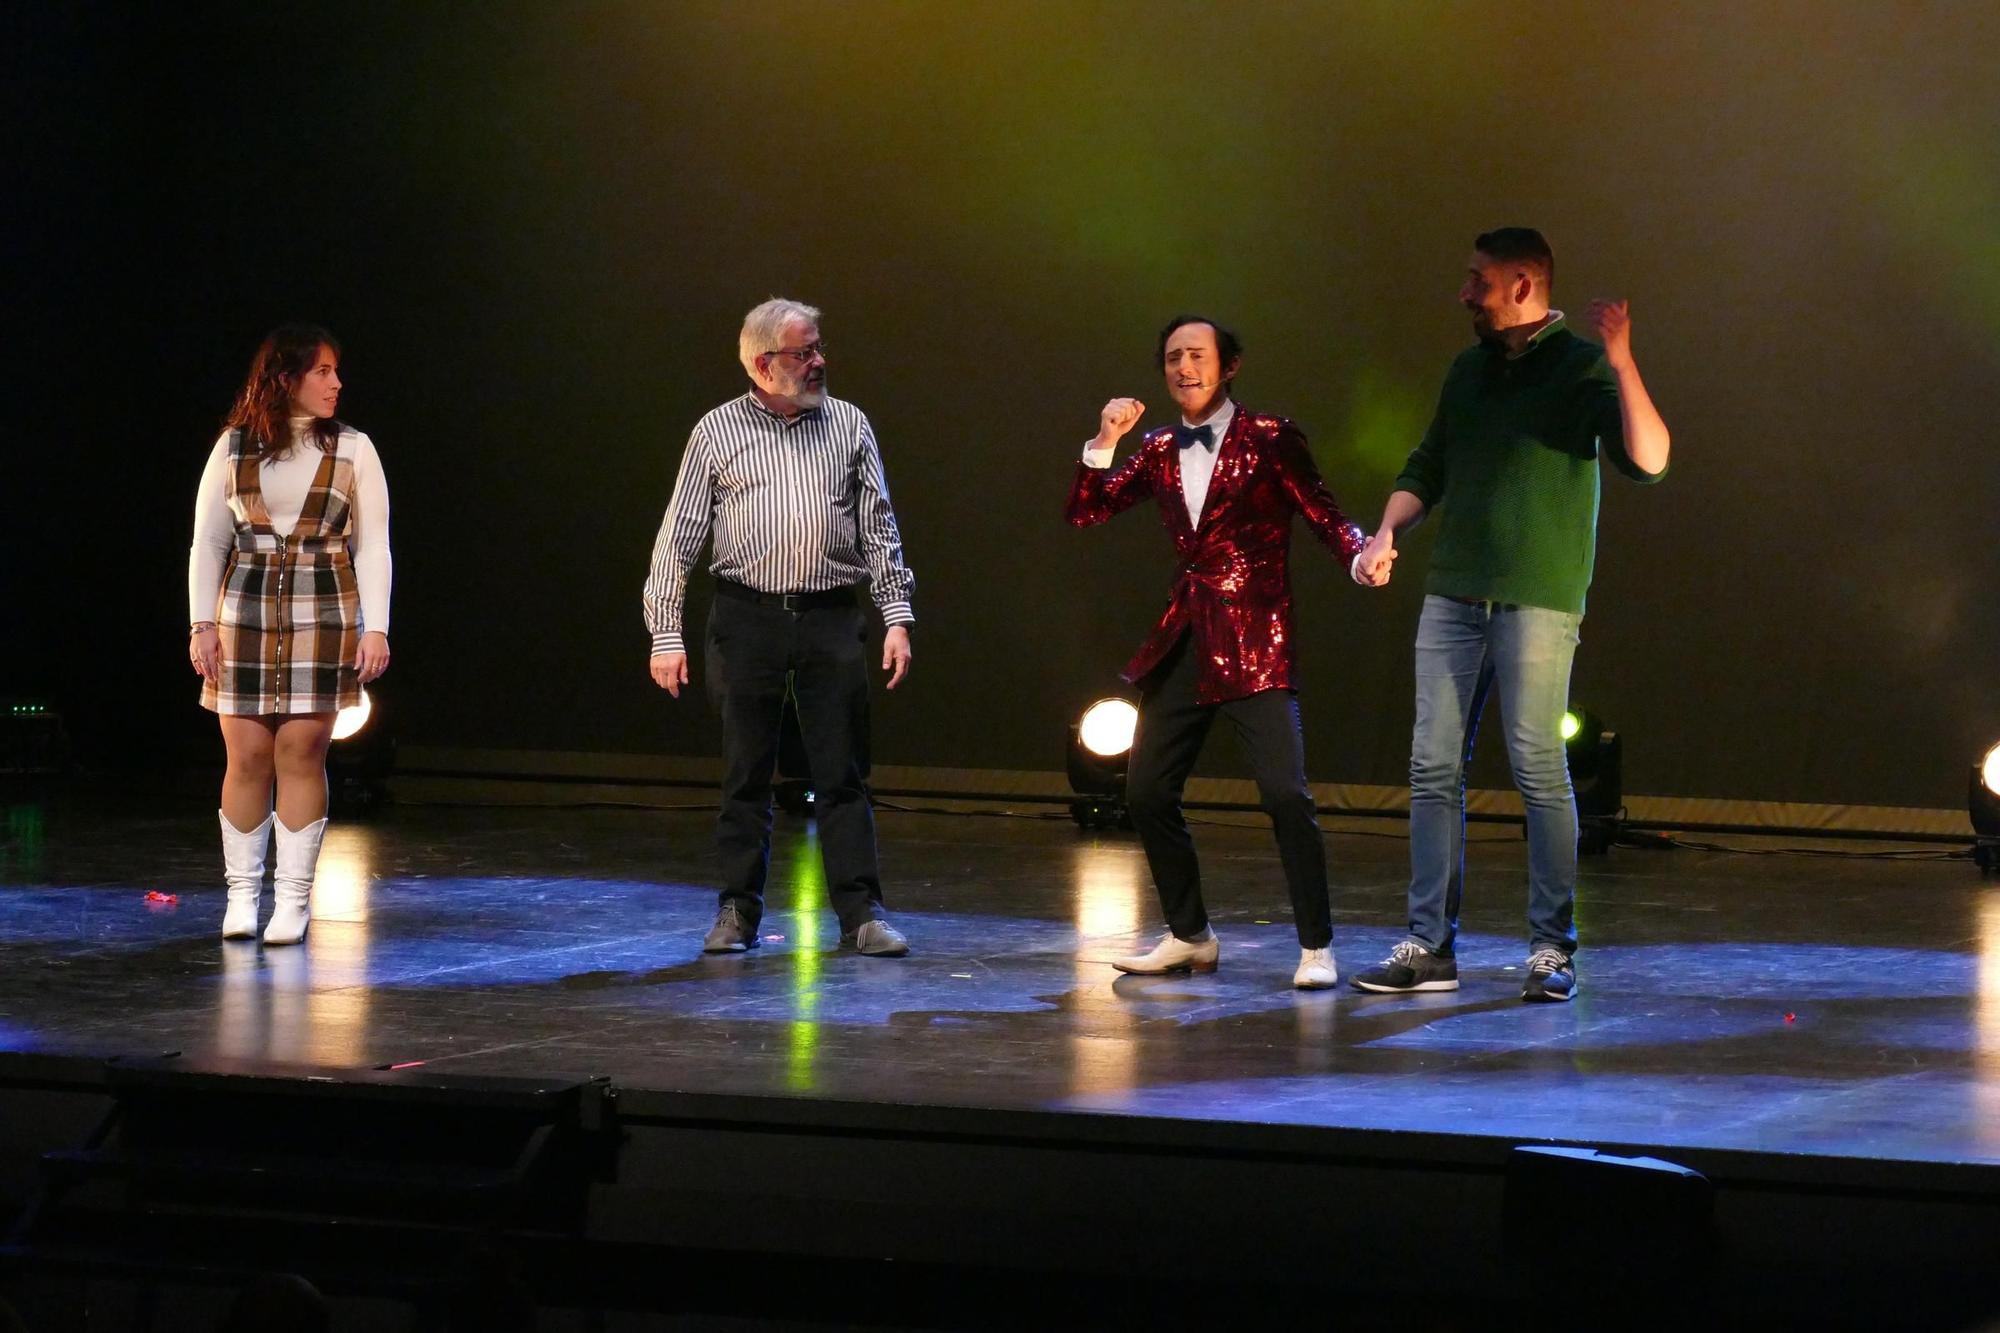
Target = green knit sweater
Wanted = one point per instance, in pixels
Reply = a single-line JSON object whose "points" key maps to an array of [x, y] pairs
{"points": [[1509, 468]]}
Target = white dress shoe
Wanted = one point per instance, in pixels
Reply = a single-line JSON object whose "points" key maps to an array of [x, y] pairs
{"points": [[877, 939], [1174, 954], [1316, 970]]}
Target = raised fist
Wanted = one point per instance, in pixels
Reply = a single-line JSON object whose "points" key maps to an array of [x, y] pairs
{"points": [[1119, 415]]}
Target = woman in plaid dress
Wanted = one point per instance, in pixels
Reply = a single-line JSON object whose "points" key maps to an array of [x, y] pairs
{"points": [[288, 594]]}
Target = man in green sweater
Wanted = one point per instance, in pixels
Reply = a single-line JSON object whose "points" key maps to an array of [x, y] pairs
{"points": [[1510, 464]]}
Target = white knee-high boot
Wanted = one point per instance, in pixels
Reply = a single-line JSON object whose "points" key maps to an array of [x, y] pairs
{"points": [[292, 881], [243, 871]]}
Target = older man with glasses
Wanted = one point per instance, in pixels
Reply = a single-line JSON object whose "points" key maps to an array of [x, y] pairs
{"points": [[788, 482]]}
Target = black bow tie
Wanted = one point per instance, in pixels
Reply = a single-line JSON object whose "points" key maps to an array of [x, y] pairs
{"points": [[1191, 435]]}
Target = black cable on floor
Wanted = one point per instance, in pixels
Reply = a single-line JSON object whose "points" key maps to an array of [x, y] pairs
{"points": [[881, 804], [1667, 842]]}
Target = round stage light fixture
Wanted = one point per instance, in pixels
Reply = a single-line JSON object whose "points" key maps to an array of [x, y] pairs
{"points": [[1100, 745], [1596, 774], [1983, 804], [1107, 727], [361, 756], [349, 721]]}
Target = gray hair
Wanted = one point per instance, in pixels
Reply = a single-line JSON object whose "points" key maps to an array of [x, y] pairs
{"points": [[764, 328]]}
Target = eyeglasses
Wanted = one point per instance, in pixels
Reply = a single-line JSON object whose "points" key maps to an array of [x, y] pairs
{"points": [[801, 354]]}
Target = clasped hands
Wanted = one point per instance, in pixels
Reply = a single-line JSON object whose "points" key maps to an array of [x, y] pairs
{"points": [[1372, 567]]}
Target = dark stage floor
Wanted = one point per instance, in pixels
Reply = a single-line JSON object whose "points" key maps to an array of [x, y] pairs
{"points": [[1772, 1003]]}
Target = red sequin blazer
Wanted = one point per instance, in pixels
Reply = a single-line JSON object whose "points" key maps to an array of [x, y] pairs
{"points": [[1233, 587]]}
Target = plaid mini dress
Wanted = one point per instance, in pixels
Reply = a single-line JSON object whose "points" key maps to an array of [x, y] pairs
{"points": [[289, 614]]}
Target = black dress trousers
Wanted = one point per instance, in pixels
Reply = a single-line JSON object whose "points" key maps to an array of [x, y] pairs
{"points": [[755, 652], [1172, 729]]}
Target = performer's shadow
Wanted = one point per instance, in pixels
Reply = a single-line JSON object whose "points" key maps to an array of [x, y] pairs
{"points": [[701, 967], [1364, 1016], [1160, 989]]}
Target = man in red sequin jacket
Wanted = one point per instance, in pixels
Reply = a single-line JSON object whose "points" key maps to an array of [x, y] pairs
{"points": [[1228, 481]]}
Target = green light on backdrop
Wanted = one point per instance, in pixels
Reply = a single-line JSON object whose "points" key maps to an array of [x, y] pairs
{"points": [[1571, 724], [1385, 420], [1938, 190]]}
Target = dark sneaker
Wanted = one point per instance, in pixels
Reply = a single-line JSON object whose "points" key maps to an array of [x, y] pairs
{"points": [[1409, 966], [877, 939], [1551, 976], [730, 933]]}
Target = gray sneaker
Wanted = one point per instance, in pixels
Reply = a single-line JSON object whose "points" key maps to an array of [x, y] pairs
{"points": [[730, 933], [877, 939], [1551, 977], [1409, 967]]}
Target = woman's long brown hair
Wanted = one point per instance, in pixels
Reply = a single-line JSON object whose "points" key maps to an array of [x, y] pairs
{"points": [[263, 411]]}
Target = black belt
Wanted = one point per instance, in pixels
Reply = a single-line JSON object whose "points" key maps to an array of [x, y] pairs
{"points": [[787, 601]]}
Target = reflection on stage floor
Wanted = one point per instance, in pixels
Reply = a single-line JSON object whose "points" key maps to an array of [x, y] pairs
{"points": [[1835, 1006]]}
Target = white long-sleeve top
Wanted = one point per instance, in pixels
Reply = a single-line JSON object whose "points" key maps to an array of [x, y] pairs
{"points": [[285, 481]]}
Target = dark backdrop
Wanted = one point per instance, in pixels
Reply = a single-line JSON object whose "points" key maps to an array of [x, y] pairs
{"points": [[536, 228]]}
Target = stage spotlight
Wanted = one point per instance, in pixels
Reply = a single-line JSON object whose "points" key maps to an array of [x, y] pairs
{"points": [[1984, 803], [359, 760], [1100, 743], [348, 721], [1595, 773], [1107, 727]]}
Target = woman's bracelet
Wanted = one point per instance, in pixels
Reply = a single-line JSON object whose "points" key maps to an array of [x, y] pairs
{"points": [[200, 625]]}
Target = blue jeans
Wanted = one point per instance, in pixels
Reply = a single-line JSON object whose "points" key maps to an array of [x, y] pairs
{"points": [[1463, 651]]}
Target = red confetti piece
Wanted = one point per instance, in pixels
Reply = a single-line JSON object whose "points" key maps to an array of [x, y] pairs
{"points": [[168, 899], [1790, 1017]]}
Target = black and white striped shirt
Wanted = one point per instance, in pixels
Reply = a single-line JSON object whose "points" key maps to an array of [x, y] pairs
{"points": [[796, 505]]}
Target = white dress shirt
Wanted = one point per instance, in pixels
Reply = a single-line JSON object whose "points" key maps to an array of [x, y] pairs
{"points": [[793, 504]]}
